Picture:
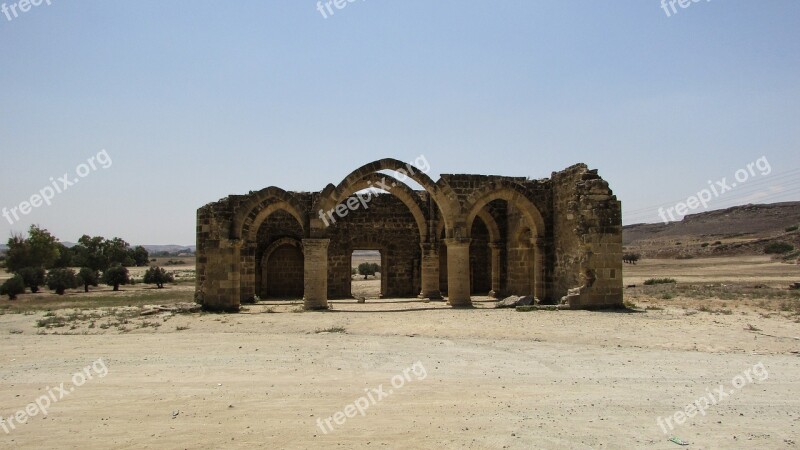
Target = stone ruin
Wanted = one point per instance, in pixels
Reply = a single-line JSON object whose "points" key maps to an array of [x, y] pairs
{"points": [[557, 239]]}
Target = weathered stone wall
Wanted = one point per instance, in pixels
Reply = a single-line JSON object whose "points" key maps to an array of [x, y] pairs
{"points": [[467, 235], [588, 241], [385, 225], [284, 273]]}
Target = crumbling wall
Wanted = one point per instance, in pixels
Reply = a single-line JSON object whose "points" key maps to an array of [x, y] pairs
{"points": [[588, 239], [559, 237]]}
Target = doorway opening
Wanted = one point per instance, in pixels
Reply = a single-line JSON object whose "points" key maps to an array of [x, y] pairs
{"points": [[366, 274]]}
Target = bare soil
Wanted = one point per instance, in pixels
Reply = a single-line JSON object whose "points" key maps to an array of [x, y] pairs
{"points": [[493, 378]]}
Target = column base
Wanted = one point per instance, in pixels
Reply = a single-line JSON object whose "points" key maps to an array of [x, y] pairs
{"points": [[433, 296], [461, 305], [314, 306]]}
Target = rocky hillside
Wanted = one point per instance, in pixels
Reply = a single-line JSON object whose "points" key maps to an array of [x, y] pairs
{"points": [[740, 230]]}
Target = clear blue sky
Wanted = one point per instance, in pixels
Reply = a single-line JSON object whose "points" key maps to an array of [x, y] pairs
{"points": [[193, 101]]}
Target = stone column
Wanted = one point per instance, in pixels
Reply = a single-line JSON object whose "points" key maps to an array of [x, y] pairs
{"points": [[458, 272], [430, 271], [223, 277], [496, 248], [315, 273], [537, 246]]}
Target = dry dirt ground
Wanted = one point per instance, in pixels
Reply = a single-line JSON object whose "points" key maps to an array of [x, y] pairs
{"points": [[480, 379]]}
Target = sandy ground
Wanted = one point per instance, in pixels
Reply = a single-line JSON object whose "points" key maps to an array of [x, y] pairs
{"points": [[480, 379]]}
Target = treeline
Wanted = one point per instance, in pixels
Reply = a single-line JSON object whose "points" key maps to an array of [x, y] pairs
{"points": [[40, 259]]}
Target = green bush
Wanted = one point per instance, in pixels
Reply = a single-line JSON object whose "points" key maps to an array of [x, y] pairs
{"points": [[158, 276], [778, 248], [116, 275], [368, 269], [88, 277], [13, 287], [704, 244], [653, 281], [59, 280], [33, 277], [792, 228]]}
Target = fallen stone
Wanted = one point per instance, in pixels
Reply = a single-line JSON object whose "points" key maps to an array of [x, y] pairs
{"points": [[526, 301], [508, 302]]}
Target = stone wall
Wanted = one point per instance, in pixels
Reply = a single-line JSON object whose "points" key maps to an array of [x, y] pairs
{"points": [[557, 238]]}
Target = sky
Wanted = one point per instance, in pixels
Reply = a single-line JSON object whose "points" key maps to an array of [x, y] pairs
{"points": [[158, 108]]}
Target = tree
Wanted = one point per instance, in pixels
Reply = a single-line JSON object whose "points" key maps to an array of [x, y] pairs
{"points": [[116, 275], [90, 252], [65, 256], [39, 249], [119, 252], [13, 287], [368, 269], [33, 277], [158, 276], [140, 256], [88, 277], [631, 258], [99, 253], [59, 280]]}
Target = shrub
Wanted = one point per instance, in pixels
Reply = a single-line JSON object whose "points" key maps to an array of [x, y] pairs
{"points": [[717, 243], [115, 276], [631, 258], [704, 244], [792, 228], [33, 277], [158, 276], [778, 248], [13, 287], [368, 269], [653, 281], [88, 277], [59, 280]]}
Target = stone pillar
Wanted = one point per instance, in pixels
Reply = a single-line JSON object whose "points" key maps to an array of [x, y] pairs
{"points": [[537, 245], [430, 271], [315, 273], [458, 282], [223, 277], [496, 249]]}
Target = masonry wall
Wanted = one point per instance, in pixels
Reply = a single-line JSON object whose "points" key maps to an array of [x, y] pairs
{"points": [[386, 225], [587, 239], [284, 273], [579, 246]]}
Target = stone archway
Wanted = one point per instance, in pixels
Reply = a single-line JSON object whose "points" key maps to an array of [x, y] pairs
{"points": [[533, 258], [244, 230]]}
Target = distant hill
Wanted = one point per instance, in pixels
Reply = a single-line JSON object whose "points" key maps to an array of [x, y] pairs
{"points": [[169, 248], [740, 230]]}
